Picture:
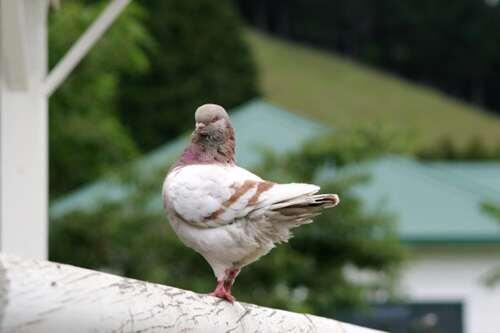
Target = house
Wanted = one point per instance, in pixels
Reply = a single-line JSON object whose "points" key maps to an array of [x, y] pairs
{"points": [[453, 244]]}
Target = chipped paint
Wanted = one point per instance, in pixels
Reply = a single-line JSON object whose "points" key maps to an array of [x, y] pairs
{"points": [[90, 301]]}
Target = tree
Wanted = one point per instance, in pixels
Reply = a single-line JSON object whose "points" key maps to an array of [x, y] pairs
{"points": [[308, 274], [86, 137], [452, 46], [493, 277], [445, 149], [200, 57], [140, 84]]}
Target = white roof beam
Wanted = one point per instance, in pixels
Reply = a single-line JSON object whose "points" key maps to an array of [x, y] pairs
{"points": [[83, 45], [41, 296]]}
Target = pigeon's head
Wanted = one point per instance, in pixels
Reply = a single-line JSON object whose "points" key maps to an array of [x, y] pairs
{"points": [[212, 125]]}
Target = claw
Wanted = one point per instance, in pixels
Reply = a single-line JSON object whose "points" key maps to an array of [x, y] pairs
{"points": [[222, 291], [224, 295]]}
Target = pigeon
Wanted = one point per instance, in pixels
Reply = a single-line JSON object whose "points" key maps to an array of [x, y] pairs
{"points": [[227, 214]]}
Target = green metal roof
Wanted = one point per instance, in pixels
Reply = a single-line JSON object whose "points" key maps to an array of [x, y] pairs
{"points": [[434, 202], [477, 176]]}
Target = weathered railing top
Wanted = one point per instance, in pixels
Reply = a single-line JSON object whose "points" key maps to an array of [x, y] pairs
{"points": [[40, 296]]}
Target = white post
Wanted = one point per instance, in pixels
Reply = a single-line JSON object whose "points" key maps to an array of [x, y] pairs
{"points": [[39, 296], [23, 128], [24, 89]]}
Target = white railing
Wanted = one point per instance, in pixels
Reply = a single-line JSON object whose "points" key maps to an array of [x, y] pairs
{"points": [[40, 296]]}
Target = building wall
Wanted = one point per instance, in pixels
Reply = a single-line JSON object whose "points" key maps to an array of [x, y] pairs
{"points": [[453, 273]]}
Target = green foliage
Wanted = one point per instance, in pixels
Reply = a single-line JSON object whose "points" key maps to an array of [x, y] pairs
{"points": [[86, 137], [444, 44], [344, 94], [200, 57], [308, 274], [140, 84], [474, 150], [492, 209], [492, 278]]}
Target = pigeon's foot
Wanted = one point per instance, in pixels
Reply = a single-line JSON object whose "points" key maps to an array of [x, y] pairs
{"points": [[224, 295], [221, 292]]}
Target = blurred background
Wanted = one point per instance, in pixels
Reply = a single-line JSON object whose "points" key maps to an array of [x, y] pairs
{"points": [[392, 104]]}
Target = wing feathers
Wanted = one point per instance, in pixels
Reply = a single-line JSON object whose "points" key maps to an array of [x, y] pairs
{"points": [[213, 196], [285, 192], [238, 192]]}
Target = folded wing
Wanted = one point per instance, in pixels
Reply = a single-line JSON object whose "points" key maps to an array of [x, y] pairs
{"points": [[212, 195]]}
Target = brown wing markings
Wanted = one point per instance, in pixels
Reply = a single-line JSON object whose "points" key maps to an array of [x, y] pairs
{"points": [[261, 188], [238, 192], [215, 214]]}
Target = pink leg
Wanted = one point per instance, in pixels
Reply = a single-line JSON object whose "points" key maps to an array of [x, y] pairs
{"points": [[231, 275], [223, 288]]}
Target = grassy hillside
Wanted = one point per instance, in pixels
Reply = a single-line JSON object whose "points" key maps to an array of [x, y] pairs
{"points": [[342, 93]]}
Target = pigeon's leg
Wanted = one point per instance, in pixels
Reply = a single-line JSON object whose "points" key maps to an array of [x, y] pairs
{"points": [[223, 288], [231, 275], [221, 292]]}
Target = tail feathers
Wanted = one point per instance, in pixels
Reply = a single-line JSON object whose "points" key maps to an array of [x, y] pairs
{"points": [[281, 193], [283, 216], [309, 202], [301, 210]]}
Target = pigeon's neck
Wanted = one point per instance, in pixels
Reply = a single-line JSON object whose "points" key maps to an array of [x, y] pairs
{"points": [[198, 152]]}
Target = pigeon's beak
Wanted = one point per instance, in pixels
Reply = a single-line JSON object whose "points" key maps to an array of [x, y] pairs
{"points": [[199, 126]]}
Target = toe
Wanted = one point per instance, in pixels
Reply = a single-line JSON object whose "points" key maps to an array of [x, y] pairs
{"points": [[230, 298], [224, 295]]}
